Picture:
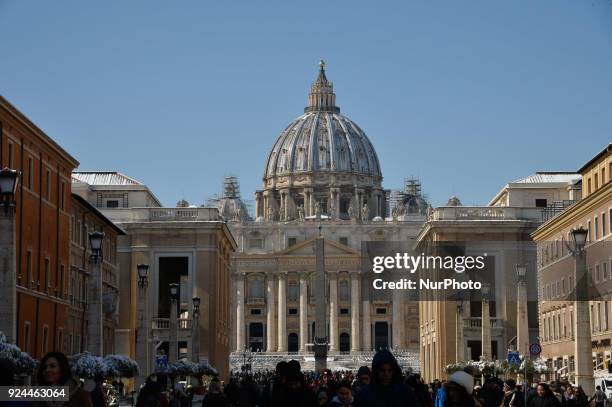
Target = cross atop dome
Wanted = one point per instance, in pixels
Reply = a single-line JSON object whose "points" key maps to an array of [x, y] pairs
{"points": [[322, 97]]}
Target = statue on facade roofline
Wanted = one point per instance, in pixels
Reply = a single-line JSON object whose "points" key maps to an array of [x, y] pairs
{"points": [[300, 211], [365, 212]]}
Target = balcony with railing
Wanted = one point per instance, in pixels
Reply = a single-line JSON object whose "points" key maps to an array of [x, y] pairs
{"points": [[200, 214], [487, 213], [161, 328]]}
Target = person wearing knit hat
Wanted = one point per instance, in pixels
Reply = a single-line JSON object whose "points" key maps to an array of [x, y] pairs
{"points": [[463, 379]]}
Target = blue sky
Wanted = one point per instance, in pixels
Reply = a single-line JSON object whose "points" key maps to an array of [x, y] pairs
{"points": [[465, 95]]}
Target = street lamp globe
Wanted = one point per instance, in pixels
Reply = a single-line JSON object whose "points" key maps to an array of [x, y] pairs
{"points": [[95, 241], [8, 183], [143, 271], [579, 236], [521, 271], [485, 290], [174, 288]]}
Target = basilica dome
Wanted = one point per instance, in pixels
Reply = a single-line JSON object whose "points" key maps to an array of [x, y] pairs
{"points": [[323, 140]]}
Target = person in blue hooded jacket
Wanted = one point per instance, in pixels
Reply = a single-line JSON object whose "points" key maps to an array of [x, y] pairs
{"points": [[386, 388]]}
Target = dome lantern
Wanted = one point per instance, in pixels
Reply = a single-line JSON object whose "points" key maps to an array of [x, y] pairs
{"points": [[322, 97]]}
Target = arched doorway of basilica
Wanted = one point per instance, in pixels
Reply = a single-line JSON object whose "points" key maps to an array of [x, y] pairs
{"points": [[256, 336], [381, 335], [345, 342], [292, 342]]}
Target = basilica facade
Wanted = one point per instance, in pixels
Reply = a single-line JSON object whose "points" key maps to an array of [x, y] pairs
{"points": [[322, 178]]}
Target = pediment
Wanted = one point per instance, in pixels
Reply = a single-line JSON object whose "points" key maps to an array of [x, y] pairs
{"points": [[307, 248]]}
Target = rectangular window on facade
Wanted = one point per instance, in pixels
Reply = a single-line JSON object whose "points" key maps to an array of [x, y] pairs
{"points": [[596, 228], [255, 311], [47, 271], [604, 270], [30, 173], [597, 276], [48, 185], [344, 241], [26, 337], [255, 243], [10, 156], [590, 231], [291, 241], [112, 203], [603, 224], [540, 203], [28, 281], [293, 311], [45, 340]]}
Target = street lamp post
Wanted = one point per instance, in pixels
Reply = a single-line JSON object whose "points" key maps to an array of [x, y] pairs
{"points": [[196, 330], [486, 322], [142, 338], [94, 299], [8, 264], [583, 352], [522, 323], [459, 352], [173, 324]]}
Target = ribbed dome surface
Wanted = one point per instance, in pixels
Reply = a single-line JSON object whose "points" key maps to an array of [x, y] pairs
{"points": [[323, 141]]}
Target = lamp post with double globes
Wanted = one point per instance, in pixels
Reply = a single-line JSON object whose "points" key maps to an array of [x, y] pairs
{"points": [[522, 323], [94, 299], [195, 353], [8, 272], [173, 324], [486, 322], [583, 352], [142, 335]]}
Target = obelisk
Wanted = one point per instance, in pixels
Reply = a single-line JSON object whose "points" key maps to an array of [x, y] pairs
{"points": [[320, 340]]}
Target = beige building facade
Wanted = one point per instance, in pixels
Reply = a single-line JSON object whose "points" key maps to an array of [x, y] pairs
{"points": [[556, 270]]}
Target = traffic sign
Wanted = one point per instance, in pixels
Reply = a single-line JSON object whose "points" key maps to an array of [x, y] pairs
{"points": [[535, 349], [514, 358]]}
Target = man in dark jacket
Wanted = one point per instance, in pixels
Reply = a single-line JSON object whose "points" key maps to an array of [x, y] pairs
{"points": [[386, 388]]}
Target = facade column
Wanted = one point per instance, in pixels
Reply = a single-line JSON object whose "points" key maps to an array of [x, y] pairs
{"points": [[240, 313], [355, 312], [270, 321], [282, 312], [333, 311], [258, 205], [311, 203], [8, 275], [397, 320], [306, 195], [367, 326], [303, 311]]}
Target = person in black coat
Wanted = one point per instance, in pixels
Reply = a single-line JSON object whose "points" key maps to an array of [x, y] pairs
{"points": [[544, 397], [386, 388]]}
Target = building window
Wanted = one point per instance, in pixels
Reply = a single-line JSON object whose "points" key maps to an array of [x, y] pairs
{"points": [[293, 311], [45, 339], [47, 271], [540, 203], [343, 240], [48, 185], [603, 224], [10, 155], [112, 203], [257, 243], [28, 268], [26, 337], [344, 311], [381, 311], [291, 241], [60, 339], [30, 173], [604, 270], [255, 311], [589, 230], [596, 228]]}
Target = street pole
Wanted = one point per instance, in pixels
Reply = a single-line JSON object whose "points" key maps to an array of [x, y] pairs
{"points": [[8, 262], [173, 346], [195, 355], [142, 346], [459, 353], [95, 318], [582, 319], [486, 323]]}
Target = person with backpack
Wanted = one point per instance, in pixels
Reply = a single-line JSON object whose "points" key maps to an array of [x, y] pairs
{"points": [[599, 397]]}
